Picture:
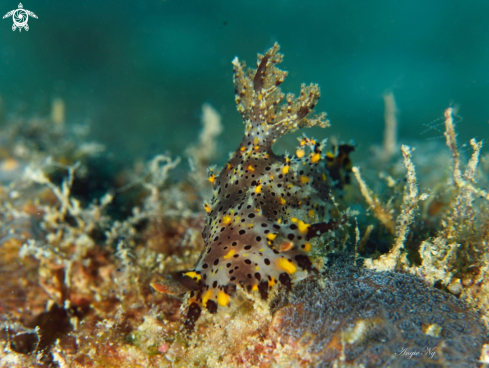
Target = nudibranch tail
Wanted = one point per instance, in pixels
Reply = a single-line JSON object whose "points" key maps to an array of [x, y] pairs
{"points": [[267, 211]]}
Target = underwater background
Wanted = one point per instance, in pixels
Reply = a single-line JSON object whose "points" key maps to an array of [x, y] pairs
{"points": [[141, 70], [119, 203]]}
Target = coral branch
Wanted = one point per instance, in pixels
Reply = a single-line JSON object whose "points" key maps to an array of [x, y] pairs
{"points": [[379, 210], [391, 260], [390, 131]]}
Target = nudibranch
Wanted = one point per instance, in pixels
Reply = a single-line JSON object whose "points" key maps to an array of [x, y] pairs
{"points": [[267, 211]]}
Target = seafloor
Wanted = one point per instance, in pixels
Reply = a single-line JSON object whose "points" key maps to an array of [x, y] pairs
{"points": [[404, 283]]}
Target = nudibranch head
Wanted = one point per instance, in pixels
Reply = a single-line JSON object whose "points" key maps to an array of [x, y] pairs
{"points": [[267, 211]]}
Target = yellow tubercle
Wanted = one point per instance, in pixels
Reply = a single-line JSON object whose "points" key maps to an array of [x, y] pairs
{"points": [[229, 254], [303, 227], [315, 158], [283, 201], [207, 208], [310, 213], [254, 287], [242, 149], [222, 298], [285, 169], [271, 282], [271, 236], [287, 266], [251, 168], [193, 275], [206, 297], [212, 178], [304, 179], [300, 153], [226, 220], [258, 189], [307, 247]]}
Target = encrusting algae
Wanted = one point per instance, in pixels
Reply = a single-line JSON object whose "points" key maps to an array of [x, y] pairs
{"points": [[100, 265]]}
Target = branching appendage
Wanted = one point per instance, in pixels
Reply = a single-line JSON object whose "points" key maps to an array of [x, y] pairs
{"points": [[380, 211], [259, 100], [392, 260]]}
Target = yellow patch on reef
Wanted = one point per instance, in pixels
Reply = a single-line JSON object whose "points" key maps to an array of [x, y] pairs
{"points": [[229, 254], [222, 298], [315, 158], [287, 266], [206, 297], [192, 274], [307, 247], [303, 226], [212, 178], [304, 179]]}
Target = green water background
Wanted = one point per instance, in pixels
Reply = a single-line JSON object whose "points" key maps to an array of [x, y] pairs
{"points": [[140, 70]]}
